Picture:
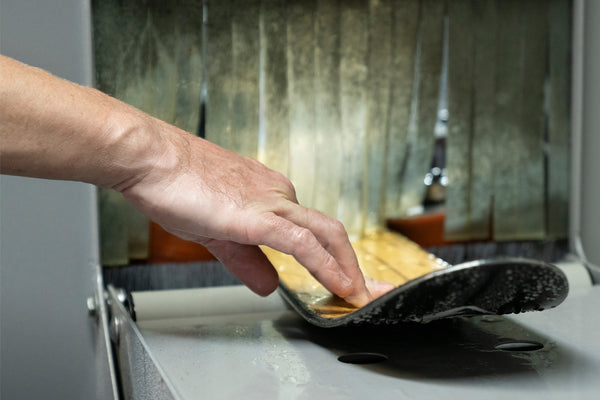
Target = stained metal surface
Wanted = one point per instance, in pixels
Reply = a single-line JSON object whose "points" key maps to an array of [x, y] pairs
{"points": [[276, 354]]}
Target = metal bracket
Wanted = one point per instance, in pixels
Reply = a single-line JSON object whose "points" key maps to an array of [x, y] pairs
{"points": [[140, 375]]}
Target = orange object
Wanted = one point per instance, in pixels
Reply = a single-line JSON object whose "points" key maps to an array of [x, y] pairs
{"points": [[425, 229], [166, 247]]}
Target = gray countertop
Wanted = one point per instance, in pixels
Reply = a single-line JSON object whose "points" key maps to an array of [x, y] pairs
{"points": [[253, 348]]}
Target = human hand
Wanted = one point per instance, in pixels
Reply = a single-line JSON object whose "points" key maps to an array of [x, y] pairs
{"points": [[231, 204], [55, 129]]}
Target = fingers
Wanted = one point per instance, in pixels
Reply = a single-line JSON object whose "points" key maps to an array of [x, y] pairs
{"points": [[332, 236], [247, 263], [378, 288], [301, 242], [328, 231]]}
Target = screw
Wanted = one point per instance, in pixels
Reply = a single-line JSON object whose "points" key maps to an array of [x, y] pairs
{"points": [[121, 295], [91, 306]]}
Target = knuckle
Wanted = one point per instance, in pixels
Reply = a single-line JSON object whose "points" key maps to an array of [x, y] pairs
{"points": [[337, 227], [286, 185], [289, 188], [329, 264], [302, 237], [286, 181], [337, 235]]}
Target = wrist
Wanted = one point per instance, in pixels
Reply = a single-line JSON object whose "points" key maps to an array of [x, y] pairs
{"points": [[146, 151], [136, 148]]}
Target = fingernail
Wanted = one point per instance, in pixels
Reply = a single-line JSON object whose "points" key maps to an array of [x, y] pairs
{"points": [[359, 299], [378, 288]]}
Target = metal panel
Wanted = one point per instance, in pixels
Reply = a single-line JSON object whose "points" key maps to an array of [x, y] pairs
{"points": [[274, 141], [559, 15], [590, 187], [379, 62], [424, 115], [48, 233], [327, 106], [301, 98], [219, 79], [584, 229], [405, 24], [353, 76], [518, 169], [245, 74]]}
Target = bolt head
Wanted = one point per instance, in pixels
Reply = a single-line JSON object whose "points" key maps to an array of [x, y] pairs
{"points": [[91, 306]]}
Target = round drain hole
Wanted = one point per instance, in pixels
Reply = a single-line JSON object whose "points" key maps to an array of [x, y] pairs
{"points": [[523, 345], [362, 358]]}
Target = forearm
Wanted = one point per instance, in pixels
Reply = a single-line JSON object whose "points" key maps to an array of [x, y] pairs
{"points": [[51, 128]]}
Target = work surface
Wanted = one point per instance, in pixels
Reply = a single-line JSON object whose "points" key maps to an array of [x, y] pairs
{"points": [[242, 346]]}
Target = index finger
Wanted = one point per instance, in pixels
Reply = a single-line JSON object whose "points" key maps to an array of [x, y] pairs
{"points": [[333, 237], [330, 260], [284, 235]]}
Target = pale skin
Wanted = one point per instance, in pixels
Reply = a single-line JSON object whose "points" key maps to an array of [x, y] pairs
{"points": [[54, 129]]}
